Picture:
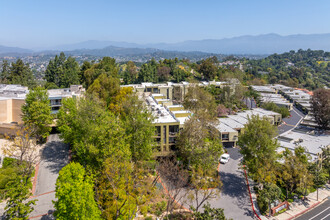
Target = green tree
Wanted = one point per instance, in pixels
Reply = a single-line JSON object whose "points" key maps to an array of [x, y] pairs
{"points": [[208, 69], [54, 69], [122, 187], [210, 213], [105, 88], [259, 149], [137, 121], [320, 104], [36, 113], [4, 73], [17, 206], [93, 132], [270, 193], [21, 73], [75, 195]]}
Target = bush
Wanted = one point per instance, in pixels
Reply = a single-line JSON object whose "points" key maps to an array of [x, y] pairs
{"points": [[273, 107], [262, 203], [8, 162], [148, 218], [290, 200]]}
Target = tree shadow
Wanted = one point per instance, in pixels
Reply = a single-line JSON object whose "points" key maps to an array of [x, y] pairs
{"points": [[55, 154], [49, 215]]}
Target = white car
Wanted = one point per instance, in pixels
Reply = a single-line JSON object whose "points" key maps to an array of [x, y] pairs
{"points": [[224, 158]]}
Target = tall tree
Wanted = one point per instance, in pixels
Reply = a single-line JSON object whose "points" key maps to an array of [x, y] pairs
{"points": [[4, 73], [75, 195], [36, 113], [18, 206], [320, 104], [259, 149], [122, 188], [21, 73]]}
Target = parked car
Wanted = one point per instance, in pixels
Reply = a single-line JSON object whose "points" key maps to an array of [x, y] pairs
{"points": [[224, 158]]}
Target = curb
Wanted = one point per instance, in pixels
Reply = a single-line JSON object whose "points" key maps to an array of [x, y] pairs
{"points": [[248, 185], [34, 184], [163, 185]]}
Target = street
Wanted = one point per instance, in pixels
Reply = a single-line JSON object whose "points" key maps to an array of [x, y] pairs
{"points": [[290, 122], [321, 212]]}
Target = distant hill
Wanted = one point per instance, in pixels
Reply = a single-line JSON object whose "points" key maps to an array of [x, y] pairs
{"points": [[260, 44], [13, 50]]}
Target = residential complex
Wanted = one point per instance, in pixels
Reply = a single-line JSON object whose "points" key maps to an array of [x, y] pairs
{"points": [[12, 97], [177, 91]]}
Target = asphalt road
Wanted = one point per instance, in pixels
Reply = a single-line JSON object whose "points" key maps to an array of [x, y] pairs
{"points": [[234, 197], [291, 122], [54, 157], [321, 212]]}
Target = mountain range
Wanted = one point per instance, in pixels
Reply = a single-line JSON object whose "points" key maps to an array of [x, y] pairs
{"points": [[260, 44]]}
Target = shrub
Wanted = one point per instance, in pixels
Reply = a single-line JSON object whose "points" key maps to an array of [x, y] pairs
{"points": [[7, 162], [262, 203]]}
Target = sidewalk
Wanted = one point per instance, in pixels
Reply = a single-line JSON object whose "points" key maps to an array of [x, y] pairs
{"points": [[296, 208]]}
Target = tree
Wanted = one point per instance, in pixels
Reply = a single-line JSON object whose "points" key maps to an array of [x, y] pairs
{"points": [[208, 69], [4, 73], [93, 132], [122, 188], [210, 213], [21, 73], [105, 88], [63, 71], [175, 178], [17, 206], [36, 113], [270, 193], [25, 150], [75, 195], [259, 149], [131, 73], [320, 104], [137, 120]]}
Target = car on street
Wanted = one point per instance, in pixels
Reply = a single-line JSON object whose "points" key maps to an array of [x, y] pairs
{"points": [[224, 158]]}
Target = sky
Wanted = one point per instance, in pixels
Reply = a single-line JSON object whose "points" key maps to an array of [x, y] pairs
{"points": [[47, 23]]}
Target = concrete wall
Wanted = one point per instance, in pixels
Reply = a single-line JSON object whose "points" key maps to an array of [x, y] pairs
{"points": [[16, 110]]}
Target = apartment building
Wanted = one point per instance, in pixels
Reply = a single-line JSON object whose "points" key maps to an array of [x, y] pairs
{"points": [[12, 97], [232, 126], [177, 91], [269, 94], [168, 119]]}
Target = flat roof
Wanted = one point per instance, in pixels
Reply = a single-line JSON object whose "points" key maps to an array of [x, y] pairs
{"points": [[225, 128], [312, 142], [231, 123]]}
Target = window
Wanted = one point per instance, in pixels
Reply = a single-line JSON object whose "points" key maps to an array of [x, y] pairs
{"points": [[164, 132], [173, 129], [157, 131], [225, 136]]}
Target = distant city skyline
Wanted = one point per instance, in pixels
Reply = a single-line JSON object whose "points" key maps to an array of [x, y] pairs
{"points": [[37, 24]]}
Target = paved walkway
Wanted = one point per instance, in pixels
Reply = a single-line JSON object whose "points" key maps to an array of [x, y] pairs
{"points": [[296, 208], [54, 156]]}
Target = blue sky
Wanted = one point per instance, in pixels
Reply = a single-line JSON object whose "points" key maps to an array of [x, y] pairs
{"points": [[44, 23]]}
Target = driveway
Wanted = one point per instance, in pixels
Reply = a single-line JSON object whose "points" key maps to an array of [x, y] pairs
{"points": [[234, 197], [291, 122], [54, 157]]}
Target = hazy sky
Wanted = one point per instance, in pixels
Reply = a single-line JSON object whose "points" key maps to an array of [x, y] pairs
{"points": [[42, 23]]}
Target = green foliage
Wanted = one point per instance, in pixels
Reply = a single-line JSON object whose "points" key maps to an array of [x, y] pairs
{"points": [[259, 149], [62, 72], [271, 106], [320, 104], [139, 130], [75, 195], [17, 73], [122, 187], [36, 113], [302, 68], [94, 133], [8, 162], [210, 213], [16, 206]]}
